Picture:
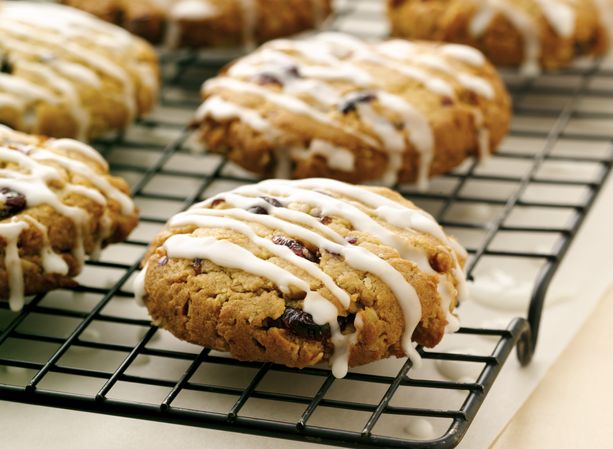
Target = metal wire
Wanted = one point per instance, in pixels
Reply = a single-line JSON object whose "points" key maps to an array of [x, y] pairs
{"points": [[91, 349]]}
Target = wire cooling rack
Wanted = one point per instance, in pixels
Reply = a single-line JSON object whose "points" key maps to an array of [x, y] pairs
{"points": [[93, 349]]}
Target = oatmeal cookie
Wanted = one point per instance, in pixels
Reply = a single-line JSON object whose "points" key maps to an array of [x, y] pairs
{"points": [[210, 23], [65, 73], [526, 33], [58, 204], [334, 106], [299, 272]]}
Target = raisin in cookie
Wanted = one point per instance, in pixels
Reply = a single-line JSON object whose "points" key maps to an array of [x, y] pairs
{"points": [[334, 106], [65, 73], [58, 204], [526, 33], [299, 272], [210, 23]]}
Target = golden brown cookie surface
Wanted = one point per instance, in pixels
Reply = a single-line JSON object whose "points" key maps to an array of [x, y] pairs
{"points": [[58, 204], [68, 74], [526, 33], [210, 23], [334, 106], [297, 272]]}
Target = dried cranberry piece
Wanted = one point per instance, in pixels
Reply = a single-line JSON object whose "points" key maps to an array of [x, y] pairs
{"points": [[5, 64], [326, 220], [294, 71], [351, 240], [163, 261], [217, 202], [197, 265], [350, 103], [583, 47], [446, 101], [344, 321], [297, 247], [265, 79], [300, 323], [259, 210], [14, 202], [272, 201]]}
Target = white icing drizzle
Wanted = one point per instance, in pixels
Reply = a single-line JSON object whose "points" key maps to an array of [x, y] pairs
{"points": [[453, 324], [291, 103], [43, 183], [408, 52], [192, 10], [66, 91], [221, 110], [420, 429], [456, 371], [74, 146], [230, 255], [334, 54], [309, 229], [52, 262], [483, 137], [338, 158], [50, 47], [396, 215], [420, 135], [10, 232], [249, 14], [200, 218], [127, 206], [464, 53], [558, 13], [24, 91], [139, 286]]}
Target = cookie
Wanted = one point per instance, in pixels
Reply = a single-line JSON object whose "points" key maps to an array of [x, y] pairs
{"points": [[527, 33], [334, 106], [210, 23], [300, 272], [58, 204], [65, 73]]}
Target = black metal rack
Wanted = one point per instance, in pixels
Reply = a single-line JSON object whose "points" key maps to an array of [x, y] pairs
{"points": [[85, 349]]}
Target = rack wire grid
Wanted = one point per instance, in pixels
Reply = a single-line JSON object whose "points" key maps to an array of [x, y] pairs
{"points": [[93, 349]]}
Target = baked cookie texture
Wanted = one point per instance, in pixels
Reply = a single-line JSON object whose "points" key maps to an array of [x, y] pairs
{"points": [[58, 204], [65, 73], [300, 272], [210, 23], [334, 106], [526, 33]]}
